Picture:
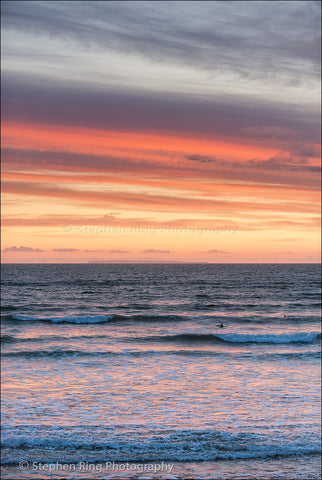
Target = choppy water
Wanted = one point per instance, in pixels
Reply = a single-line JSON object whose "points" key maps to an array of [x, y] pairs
{"points": [[128, 364]]}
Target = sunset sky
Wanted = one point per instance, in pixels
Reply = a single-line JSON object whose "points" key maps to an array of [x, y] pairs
{"points": [[161, 131]]}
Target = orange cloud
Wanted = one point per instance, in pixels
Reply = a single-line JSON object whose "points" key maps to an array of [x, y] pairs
{"points": [[149, 181]]}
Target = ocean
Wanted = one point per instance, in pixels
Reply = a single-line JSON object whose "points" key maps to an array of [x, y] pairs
{"points": [[123, 371]]}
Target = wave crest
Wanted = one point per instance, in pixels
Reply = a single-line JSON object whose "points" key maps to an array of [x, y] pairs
{"points": [[300, 337]]}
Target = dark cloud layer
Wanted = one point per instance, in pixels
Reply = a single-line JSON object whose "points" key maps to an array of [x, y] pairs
{"points": [[29, 100]]}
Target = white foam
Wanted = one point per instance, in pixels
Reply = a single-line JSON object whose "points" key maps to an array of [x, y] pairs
{"points": [[81, 319], [305, 337], [173, 447]]}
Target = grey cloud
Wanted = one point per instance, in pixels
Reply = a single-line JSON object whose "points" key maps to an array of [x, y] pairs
{"points": [[200, 158], [274, 164], [247, 37], [268, 132], [307, 151], [23, 249], [33, 101]]}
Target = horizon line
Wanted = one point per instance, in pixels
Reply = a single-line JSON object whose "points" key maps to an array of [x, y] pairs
{"points": [[158, 263]]}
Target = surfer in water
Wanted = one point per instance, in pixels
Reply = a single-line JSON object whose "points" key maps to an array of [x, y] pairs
{"points": [[221, 325]]}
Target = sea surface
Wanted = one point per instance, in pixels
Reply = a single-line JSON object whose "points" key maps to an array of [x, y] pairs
{"points": [[123, 371]]}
